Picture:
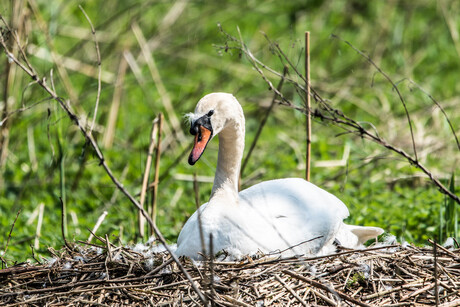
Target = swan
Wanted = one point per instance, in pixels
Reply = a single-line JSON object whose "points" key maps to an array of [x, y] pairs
{"points": [[283, 217]]}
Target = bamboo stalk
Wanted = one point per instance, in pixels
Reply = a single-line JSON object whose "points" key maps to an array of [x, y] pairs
{"points": [[308, 104]]}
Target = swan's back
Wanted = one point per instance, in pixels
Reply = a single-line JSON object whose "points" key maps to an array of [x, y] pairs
{"points": [[290, 215]]}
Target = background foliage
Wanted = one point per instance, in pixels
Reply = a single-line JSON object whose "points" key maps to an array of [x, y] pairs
{"points": [[42, 149]]}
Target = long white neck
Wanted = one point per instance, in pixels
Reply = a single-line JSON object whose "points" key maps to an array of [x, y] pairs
{"points": [[231, 146]]}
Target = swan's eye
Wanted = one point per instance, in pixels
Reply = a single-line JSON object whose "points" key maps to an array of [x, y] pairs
{"points": [[210, 113]]}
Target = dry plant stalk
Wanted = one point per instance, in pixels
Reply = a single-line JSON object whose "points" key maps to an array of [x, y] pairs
{"points": [[157, 170], [145, 180], [25, 65], [41, 209]]}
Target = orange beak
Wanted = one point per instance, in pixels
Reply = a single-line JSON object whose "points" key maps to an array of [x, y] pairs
{"points": [[201, 140]]}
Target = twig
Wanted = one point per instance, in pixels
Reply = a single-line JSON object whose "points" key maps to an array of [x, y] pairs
{"points": [[308, 104], [323, 287], [11, 231], [435, 255], [99, 68], [99, 155], [290, 290], [211, 269]]}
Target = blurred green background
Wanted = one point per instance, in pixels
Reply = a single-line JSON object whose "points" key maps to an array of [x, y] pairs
{"points": [[44, 156]]}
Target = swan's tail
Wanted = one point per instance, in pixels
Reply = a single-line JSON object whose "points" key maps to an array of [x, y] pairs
{"points": [[365, 233], [352, 236]]}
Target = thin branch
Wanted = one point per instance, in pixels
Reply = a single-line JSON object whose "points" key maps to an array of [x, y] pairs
{"points": [[11, 232], [435, 255], [290, 290], [323, 287]]}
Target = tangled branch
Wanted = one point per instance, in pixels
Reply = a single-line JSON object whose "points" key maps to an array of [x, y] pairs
{"points": [[328, 113], [25, 65]]}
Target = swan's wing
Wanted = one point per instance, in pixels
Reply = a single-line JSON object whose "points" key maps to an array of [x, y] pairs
{"points": [[290, 212], [189, 240]]}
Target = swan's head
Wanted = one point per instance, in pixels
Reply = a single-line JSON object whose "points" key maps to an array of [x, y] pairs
{"points": [[212, 114]]}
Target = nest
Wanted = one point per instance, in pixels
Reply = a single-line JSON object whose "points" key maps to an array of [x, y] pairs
{"points": [[109, 275]]}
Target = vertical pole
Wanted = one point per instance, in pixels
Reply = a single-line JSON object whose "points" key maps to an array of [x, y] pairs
{"points": [[307, 104]]}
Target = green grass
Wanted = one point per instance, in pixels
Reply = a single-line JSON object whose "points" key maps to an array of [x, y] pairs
{"points": [[408, 41]]}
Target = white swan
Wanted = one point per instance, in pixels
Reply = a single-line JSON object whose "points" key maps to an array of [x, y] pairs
{"points": [[285, 216]]}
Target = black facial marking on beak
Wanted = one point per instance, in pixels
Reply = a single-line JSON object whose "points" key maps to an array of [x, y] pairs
{"points": [[204, 121], [202, 130]]}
